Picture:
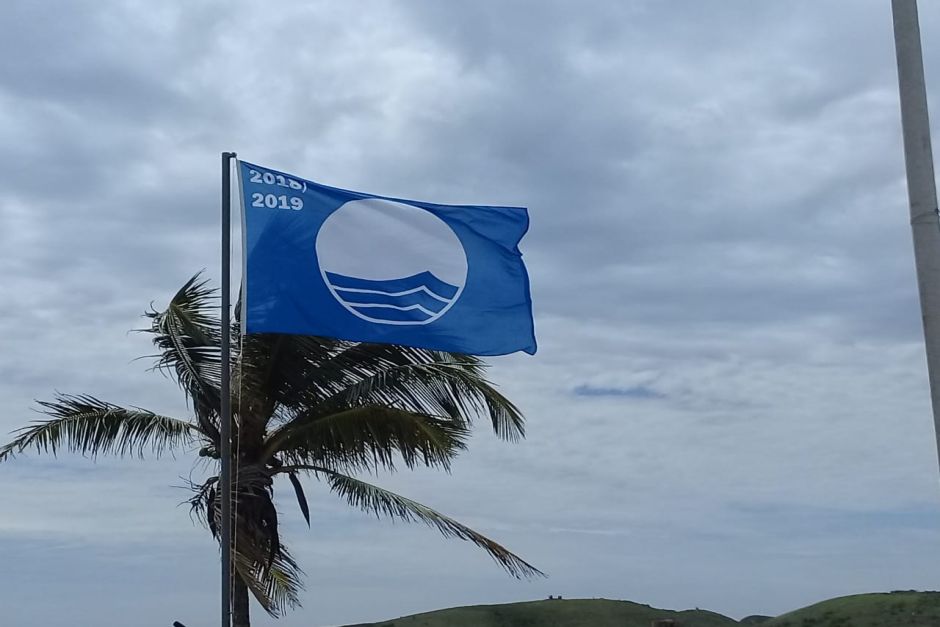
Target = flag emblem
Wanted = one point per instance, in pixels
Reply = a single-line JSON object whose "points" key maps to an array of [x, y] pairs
{"points": [[408, 268]]}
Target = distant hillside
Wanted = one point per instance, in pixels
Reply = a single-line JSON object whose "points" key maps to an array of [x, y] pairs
{"points": [[892, 609], [558, 613]]}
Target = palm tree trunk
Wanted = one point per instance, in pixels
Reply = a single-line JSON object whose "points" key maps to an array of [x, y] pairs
{"points": [[240, 616]]}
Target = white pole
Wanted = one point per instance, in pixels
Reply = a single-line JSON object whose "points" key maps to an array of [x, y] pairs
{"points": [[921, 186]]}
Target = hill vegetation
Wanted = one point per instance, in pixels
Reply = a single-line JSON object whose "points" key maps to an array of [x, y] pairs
{"points": [[559, 613], [892, 609]]}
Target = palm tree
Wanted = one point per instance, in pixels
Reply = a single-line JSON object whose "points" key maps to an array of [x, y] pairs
{"points": [[302, 406]]}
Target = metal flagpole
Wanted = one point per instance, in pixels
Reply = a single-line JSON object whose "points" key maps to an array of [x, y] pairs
{"points": [[921, 186], [225, 417]]}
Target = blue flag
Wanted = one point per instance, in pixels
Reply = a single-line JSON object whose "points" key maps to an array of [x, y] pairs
{"points": [[353, 266]]}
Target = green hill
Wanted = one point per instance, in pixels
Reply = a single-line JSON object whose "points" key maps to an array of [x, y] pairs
{"points": [[558, 613], [891, 609]]}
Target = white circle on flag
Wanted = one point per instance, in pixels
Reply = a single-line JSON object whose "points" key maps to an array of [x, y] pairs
{"points": [[390, 262]]}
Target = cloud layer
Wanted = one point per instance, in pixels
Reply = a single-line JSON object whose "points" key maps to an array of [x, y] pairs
{"points": [[729, 408]]}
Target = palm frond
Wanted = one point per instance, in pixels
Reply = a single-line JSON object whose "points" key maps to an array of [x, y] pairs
{"points": [[348, 363], [301, 497], [275, 369], [367, 437], [381, 502], [465, 378], [307, 375], [276, 585], [86, 425], [451, 385], [189, 338], [265, 565]]}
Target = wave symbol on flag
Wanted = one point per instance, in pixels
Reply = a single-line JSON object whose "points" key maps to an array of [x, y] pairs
{"points": [[414, 299]]}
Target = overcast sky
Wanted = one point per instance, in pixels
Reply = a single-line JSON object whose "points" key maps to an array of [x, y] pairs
{"points": [[729, 407]]}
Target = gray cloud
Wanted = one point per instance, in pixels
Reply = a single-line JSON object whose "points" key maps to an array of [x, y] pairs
{"points": [[730, 390]]}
